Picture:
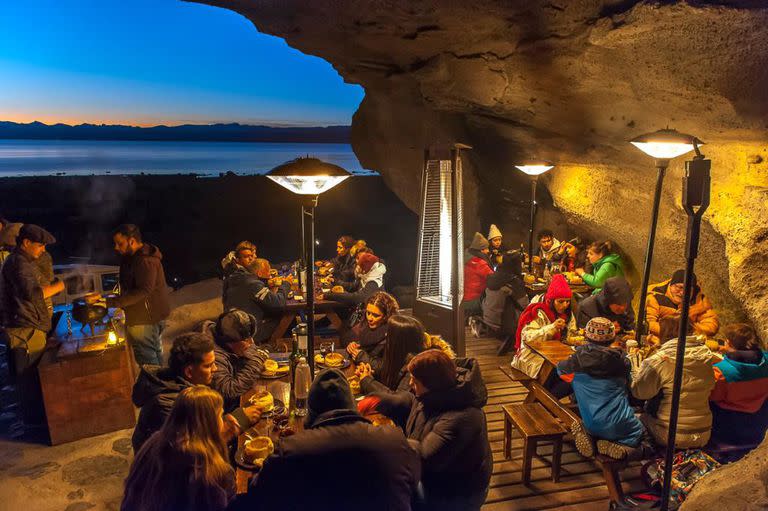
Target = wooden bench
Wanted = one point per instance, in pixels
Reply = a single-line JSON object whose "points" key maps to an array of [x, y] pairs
{"points": [[535, 425]]}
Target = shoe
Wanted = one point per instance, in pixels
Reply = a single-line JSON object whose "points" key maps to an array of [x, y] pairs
{"points": [[475, 326], [584, 443], [613, 450]]}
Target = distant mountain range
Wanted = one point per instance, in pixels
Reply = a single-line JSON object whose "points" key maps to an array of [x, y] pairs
{"points": [[232, 132]]}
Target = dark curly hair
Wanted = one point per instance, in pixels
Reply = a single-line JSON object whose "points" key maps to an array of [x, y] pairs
{"points": [[189, 349], [386, 303]]}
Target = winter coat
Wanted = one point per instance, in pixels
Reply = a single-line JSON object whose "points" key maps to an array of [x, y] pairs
{"points": [[21, 294], [616, 290], [655, 376], [236, 375], [143, 290], [448, 430], [660, 304], [600, 379], [369, 283], [244, 290], [553, 254], [740, 398], [476, 272], [608, 266], [344, 272], [340, 461], [505, 299], [372, 344]]}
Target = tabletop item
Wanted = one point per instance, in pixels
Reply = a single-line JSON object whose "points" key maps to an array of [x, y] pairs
{"points": [[301, 386], [254, 451]]}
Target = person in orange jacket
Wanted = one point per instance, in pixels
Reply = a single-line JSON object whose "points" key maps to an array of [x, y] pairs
{"points": [[666, 299]]}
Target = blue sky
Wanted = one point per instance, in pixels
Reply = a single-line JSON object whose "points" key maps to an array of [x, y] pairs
{"points": [[152, 62]]}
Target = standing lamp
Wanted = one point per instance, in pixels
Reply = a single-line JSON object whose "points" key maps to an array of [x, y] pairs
{"points": [[662, 145], [308, 177], [696, 187], [439, 273], [533, 169]]}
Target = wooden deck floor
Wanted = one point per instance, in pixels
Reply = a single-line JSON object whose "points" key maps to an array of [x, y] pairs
{"points": [[581, 485]]}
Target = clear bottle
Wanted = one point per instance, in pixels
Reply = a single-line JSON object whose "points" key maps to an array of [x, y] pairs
{"points": [[298, 348], [301, 387]]}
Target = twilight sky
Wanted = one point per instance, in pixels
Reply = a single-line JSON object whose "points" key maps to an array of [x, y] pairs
{"points": [[150, 62]]}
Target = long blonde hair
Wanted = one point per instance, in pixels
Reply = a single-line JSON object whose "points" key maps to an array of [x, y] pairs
{"points": [[191, 436]]}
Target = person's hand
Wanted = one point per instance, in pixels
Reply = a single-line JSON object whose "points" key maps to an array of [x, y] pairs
{"points": [[363, 370], [353, 349], [536, 260], [253, 413], [616, 327], [559, 323], [230, 429], [580, 272]]}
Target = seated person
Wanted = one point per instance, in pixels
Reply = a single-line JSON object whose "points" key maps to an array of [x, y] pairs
{"points": [[185, 464], [605, 264], [599, 376], [505, 299], [549, 249], [246, 291], [406, 338], [476, 271], [614, 302], [369, 337], [238, 362], [444, 421], [192, 362], [548, 320], [652, 380], [241, 257], [369, 271], [666, 300], [344, 265], [379, 468], [739, 400], [573, 255], [495, 245]]}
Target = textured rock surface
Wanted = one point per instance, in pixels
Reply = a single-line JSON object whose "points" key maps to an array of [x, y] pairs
{"points": [[571, 81]]}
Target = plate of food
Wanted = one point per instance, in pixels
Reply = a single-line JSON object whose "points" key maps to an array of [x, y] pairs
{"points": [[268, 405], [274, 369], [332, 361], [254, 451]]}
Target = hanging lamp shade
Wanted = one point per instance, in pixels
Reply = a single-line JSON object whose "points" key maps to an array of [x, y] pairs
{"points": [[308, 176], [665, 144], [535, 167]]}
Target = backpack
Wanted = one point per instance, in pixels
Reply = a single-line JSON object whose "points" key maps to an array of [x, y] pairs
{"points": [[687, 468]]}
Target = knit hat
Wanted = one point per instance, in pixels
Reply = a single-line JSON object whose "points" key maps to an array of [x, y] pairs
{"points": [[434, 369], [366, 261], [600, 330], [329, 391], [494, 232], [234, 326], [558, 289], [679, 277], [36, 234], [617, 291], [478, 242]]}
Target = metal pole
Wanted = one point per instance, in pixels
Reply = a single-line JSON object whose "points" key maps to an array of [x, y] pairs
{"points": [[309, 244], [458, 312], [661, 167], [534, 181]]}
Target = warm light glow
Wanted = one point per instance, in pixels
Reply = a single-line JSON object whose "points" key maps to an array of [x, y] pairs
{"points": [[308, 185], [111, 338], [665, 144], [535, 169], [446, 231]]}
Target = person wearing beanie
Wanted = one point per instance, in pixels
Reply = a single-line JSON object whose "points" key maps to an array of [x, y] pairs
{"points": [[548, 320], [666, 300], [369, 271], [600, 376], [476, 271], [495, 245], [340, 459], [238, 362], [443, 418], [614, 302], [505, 299]]}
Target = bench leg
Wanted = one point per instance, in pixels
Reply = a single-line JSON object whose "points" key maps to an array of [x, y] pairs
{"points": [[557, 453], [529, 451], [507, 437], [613, 482]]}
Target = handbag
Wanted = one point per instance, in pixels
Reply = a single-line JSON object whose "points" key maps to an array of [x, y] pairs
{"points": [[688, 467]]}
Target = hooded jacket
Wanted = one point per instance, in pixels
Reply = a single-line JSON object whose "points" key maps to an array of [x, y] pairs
{"points": [[616, 290], [21, 294], [660, 304], [344, 272], [655, 377], [600, 379], [244, 290], [608, 266], [143, 289], [236, 375], [154, 392], [476, 273], [369, 283], [505, 299], [448, 430]]}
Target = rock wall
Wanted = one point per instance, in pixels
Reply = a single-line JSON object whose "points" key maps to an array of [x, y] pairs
{"points": [[570, 81]]}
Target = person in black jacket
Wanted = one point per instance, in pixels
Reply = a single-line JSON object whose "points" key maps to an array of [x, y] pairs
{"points": [[505, 299], [340, 460], [191, 362], [369, 271], [614, 302], [143, 294], [369, 337], [344, 265], [445, 423]]}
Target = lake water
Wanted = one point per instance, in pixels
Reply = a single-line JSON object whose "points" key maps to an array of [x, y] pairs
{"points": [[86, 157]]}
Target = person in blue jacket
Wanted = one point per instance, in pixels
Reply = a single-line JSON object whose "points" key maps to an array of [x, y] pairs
{"points": [[600, 378]]}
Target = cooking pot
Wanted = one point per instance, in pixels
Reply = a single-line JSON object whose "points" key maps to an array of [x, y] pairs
{"points": [[87, 314]]}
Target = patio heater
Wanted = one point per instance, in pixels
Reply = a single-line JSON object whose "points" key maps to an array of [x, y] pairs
{"points": [[696, 187], [663, 145], [533, 169], [308, 177], [439, 273]]}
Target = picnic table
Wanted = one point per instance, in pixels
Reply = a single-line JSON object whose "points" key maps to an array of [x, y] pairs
{"points": [[553, 353], [293, 307]]}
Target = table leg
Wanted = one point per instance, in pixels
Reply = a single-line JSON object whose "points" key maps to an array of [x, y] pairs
{"points": [[282, 326]]}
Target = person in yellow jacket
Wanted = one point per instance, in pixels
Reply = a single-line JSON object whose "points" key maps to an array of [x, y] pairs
{"points": [[666, 300]]}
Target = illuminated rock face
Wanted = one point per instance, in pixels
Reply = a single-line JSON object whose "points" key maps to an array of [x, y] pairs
{"points": [[570, 81]]}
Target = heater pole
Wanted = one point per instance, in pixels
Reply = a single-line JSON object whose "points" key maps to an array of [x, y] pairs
{"points": [[309, 244], [661, 167], [534, 181]]}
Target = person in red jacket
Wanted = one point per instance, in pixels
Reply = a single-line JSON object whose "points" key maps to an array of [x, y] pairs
{"points": [[476, 271]]}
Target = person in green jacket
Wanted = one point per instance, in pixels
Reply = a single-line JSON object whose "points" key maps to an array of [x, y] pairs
{"points": [[605, 264]]}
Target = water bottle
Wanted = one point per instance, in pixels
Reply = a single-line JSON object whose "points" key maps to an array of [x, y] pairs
{"points": [[301, 387]]}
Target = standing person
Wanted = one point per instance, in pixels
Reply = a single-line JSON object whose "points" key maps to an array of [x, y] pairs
{"points": [[340, 460], [614, 302], [666, 300], [369, 337], [605, 264], [476, 272], [143, 294], [446, 425], [505, 299], [344, 265], [24, 316], [495, 245], [184, 464]]}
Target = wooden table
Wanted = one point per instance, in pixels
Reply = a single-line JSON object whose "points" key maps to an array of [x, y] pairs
{"points": [[553, 353], [293, 307]]}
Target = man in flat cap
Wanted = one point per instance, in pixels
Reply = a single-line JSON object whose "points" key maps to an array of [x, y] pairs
{"points": [[25, 317]]}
